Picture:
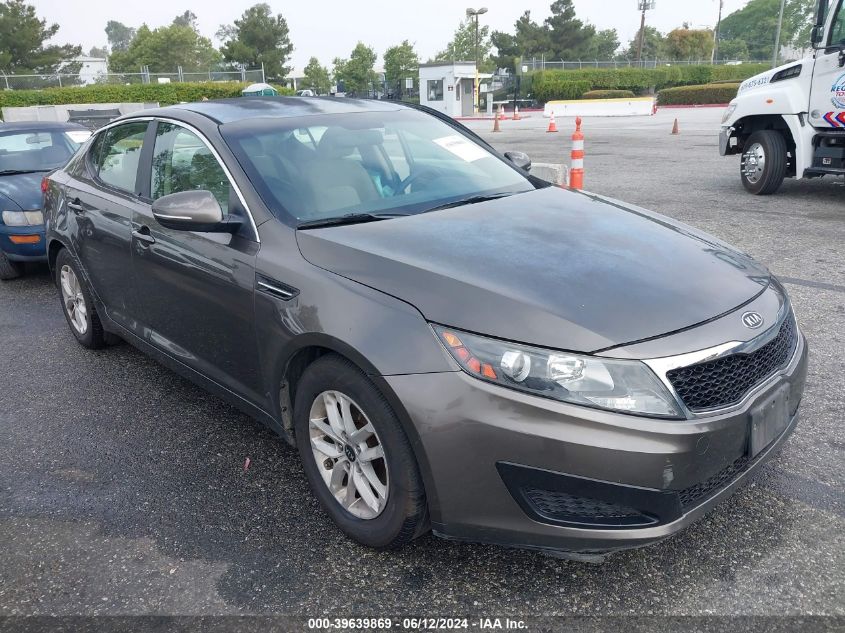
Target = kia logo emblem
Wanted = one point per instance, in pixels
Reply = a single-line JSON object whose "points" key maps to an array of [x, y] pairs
{"points": [[752, 320]]}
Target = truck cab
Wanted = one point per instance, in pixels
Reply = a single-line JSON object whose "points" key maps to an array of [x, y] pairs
{"points": [[790, 121]]}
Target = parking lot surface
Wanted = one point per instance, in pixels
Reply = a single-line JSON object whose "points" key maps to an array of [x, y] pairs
{"points": [[123, 489]]}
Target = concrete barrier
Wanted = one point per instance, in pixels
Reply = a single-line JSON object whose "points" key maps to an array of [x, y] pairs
{"points": [[639, 106], [554, 173], [92, 115]]}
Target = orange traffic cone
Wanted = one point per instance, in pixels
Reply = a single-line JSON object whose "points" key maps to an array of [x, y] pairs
{"points": [[516, 113], [654, 108], [552, 124], [675, 129], [496, 120], [502, 116], [576, 172]]}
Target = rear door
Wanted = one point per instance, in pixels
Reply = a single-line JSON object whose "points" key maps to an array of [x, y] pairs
{"points": [[827, 99], [195, 290], [99, 207]]}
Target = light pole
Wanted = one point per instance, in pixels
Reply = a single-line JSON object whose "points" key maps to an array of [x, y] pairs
{"points": [[715, 52], [643, 5], [472, 13], [777, 37]]}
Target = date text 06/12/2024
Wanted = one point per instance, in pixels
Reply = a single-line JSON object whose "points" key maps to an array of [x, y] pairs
{"points": [[417, 624]]}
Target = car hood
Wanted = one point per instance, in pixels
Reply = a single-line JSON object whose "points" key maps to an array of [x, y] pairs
{"points": [[550, 267], [22, 190]]}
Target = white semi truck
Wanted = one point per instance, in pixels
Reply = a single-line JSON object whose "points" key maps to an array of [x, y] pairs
{"points": [[790, 121]]}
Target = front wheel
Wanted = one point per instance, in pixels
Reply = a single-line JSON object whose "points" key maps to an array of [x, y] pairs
{"points": [[356, 456], [763, 164]]}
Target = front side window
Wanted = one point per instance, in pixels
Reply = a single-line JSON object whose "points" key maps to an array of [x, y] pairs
{"points": [[183, 162], [118, 154], [399, 162], [837, 30], [435, 90]]}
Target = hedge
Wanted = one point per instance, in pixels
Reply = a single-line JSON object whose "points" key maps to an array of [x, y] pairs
{"points": [[640, 80], [556, 88], [698, 95], [164, 94], [608, 94]]}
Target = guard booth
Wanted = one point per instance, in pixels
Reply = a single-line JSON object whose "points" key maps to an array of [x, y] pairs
{"points": [[448, 87]]}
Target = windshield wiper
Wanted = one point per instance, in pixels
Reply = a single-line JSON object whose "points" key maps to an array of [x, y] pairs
{"points": [[14, 172], [349, 218], [471, 200]]}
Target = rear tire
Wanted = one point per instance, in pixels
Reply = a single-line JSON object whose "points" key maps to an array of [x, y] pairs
{"points": [[381, 516], [763, 163], [77, 303], [8, 269]]}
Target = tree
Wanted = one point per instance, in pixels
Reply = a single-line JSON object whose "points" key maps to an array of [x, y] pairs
{"points": [[400, 62], [733, 50], [687, 43], [529, 40], [188, 19], [569, 37], [22, 42], [604, 45], [99, 51], [356, 72], [164, 49], [119, 35], [654, 45], [756, 25], [316, 77], [257, 38], [462, 47]]}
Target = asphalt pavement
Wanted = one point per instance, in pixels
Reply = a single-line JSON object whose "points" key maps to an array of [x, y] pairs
{"points": [[123, 489]]}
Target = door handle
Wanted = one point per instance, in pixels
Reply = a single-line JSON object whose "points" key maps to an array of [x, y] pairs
{"points": [[143, 235], [76, 207]]}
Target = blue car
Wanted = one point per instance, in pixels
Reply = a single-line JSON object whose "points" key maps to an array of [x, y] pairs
{"points": [[28, 151]]}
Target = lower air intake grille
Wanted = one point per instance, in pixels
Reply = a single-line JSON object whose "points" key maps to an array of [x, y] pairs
{"points": [[562, 506], [703, 490], [725, 381]]}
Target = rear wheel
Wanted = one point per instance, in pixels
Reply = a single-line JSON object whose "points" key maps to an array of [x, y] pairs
{"points": [[764, 161], [356, 456], [8, 268], [77, 303]]}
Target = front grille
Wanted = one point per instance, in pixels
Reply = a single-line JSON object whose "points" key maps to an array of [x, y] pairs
{"points": [[725, 381], [699, 492], [561, 506]]}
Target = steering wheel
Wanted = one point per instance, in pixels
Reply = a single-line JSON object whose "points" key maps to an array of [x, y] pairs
{"points": [[412, 178]]}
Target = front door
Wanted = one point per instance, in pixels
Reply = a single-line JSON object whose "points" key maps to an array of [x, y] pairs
{"points": [[467, 98], [195, 290], [827, 98]]}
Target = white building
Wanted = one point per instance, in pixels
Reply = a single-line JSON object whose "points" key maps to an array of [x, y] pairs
{"points": [[448, 87], [91, 68]]}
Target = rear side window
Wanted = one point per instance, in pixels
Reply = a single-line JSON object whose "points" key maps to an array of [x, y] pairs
{"points": [[183, 162], [117, 155]]}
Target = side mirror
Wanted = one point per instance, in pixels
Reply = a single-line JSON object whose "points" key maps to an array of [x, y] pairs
{"points": [[520, 159], [193, 211]]}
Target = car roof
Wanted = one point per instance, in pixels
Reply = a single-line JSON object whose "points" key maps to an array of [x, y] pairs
{"points": [[228, 110], [40, 125]]}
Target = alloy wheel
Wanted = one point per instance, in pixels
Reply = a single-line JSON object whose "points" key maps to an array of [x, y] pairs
{"points": [[349, 455], [754, 163], [74, 300]]}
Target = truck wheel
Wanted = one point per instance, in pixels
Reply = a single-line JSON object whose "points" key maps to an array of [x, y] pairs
{"points": [[763, 164], [9, 269]]}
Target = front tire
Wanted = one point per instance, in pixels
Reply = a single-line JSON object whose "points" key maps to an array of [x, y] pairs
{"points": [[356, 456], [77, 303], [8, 269], [763, 163]]}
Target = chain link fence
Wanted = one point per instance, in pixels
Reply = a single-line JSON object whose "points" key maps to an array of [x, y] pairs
{"points": [[61, 80], [539, 63]]}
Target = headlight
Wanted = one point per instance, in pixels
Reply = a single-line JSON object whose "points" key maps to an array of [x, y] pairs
{"points": [[23, 218], [728, 112], [619, 385]]}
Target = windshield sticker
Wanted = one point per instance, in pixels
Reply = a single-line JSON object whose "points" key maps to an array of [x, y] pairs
{"points": [[838, 93], [462, 148]]}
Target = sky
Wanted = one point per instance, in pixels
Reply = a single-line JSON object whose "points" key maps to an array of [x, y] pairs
{"points": [[331, 28]]}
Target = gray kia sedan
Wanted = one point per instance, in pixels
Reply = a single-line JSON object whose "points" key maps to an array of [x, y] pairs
{"points": [[451, 343]]}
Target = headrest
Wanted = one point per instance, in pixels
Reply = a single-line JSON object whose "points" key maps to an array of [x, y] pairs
{"points": [[339, 142]]}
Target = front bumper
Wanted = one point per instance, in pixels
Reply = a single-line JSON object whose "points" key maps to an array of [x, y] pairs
{"points": [[725, 141], [30, 252], [485, 446]]}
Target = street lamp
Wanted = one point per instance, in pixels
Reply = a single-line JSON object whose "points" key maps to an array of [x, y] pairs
{"points": [[643, 5], [473, 13]]}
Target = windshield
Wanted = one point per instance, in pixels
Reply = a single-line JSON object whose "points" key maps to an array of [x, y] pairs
{"points": [[33, 150], [402, 162]]}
